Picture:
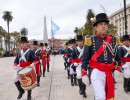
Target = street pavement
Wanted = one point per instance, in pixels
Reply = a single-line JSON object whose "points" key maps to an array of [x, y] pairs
{"points": [[55, 86]]}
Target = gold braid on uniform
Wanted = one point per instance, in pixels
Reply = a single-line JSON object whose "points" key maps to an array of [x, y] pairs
{"points": [[88, 41], [118, 40]]}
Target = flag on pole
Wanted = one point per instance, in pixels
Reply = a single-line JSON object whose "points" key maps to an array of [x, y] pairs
{"points": [[54, 28]]}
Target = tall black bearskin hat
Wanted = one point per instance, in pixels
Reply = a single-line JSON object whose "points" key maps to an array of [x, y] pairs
{"points": [[35, 43], [101, 17], [125, 37], [79, 38], [24, 39]]}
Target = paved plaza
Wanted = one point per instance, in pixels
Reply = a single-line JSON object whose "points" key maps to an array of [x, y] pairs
{"points": [[55, 86]]}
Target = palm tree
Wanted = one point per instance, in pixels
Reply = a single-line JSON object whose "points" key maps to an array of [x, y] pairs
{"points": [[24, 32], [5, 38], [8, 17], [1, 34]]}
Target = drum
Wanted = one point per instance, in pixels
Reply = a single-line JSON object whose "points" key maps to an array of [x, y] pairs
{"points": [[27, 77]]}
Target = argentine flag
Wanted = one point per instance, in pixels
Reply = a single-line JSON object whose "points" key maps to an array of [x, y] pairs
{"points": [[54, 28]]}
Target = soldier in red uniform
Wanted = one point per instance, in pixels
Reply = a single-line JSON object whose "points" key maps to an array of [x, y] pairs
{"points": [[25, 57], [47, 50], [43, 58], [38, 55]]}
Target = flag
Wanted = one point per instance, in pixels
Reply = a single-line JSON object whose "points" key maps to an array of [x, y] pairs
{"points": [[54, 28]]}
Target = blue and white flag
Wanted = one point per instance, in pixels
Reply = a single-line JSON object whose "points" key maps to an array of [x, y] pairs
{"points": [[54, 28]]}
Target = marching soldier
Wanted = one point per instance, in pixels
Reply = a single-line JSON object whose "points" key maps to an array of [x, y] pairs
{"points": [[38, 55], [25, 57], [67, 59], [77, 57], [125, 55], [43, 59], [47, 50], [71, 66], [65, 55], [100, 54]]}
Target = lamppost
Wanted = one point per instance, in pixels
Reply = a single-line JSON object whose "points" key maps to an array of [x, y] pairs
{"points": [[125, 17]]}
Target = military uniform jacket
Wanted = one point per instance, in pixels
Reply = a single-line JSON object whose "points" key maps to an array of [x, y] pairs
{"points": [[92, 44], [125, 53], [29, 58], [77, 54]]}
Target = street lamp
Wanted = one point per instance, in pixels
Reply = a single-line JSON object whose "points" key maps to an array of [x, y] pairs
{"points": [[125, 17]]}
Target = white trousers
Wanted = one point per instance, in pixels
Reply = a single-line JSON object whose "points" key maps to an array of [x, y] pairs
{"points": [[16, 77], [126, 67], [78, 71], [98, 79], [71, 70]]}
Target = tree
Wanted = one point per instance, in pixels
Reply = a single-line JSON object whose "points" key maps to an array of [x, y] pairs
{"points": [[1, 35], [8, 17], [76, 30], [112, 30], [23, 32], [16, 38], [5, 38], [90, 14]]}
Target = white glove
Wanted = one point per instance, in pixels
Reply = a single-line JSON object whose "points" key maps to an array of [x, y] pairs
{"points": [[125, 66], [68, 60], [85, 80], [41, 61], [76, 64], [15, 67], [32, 65]]}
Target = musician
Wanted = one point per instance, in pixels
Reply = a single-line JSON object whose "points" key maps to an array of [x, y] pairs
{"points": [[47, 50], [38, 55], [125, 55], [100, 52], [77, 57], [25, 57], [43, 58]]}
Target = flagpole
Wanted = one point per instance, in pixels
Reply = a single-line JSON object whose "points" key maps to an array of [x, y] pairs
{"points": [[52, 36]]}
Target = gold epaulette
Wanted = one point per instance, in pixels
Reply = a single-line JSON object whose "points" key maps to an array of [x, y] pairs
{"points": [[118, 40], [88, 41]]}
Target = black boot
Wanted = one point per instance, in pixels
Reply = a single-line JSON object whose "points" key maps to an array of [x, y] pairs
{"points": [[75, 80], [29, 95], [20, 89], [80, 86], [84, 90], [38, 81], [43, 73], [68, 73], [65, 65], [126, 84], [72, 83], [48, 68]]}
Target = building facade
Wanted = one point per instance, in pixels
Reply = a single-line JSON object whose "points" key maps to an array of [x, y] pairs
{"points": [[117, 19]]}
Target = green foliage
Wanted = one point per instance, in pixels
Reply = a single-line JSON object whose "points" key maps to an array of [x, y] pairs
{"points": [[112, 30]]}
